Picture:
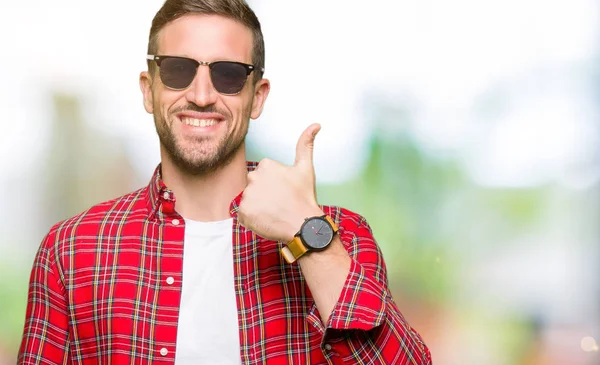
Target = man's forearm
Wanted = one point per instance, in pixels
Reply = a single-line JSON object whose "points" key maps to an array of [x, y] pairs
{"points": [[325, 273], [348, 282]]}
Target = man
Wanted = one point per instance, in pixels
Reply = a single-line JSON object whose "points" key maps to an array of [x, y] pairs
{"points": [[216, 261]]}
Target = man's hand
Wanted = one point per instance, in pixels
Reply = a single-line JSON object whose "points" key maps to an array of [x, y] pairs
{"points": [[274, 205], [278, 198]]}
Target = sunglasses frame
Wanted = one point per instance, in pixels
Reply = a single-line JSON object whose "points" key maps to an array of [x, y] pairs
{"points": [[159, 58]]}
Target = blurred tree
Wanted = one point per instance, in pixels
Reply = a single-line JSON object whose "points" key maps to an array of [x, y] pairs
{"points": [[84, 166]]}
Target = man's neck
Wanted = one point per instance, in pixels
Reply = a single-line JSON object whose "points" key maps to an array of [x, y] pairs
{"points": [[206, 198]]}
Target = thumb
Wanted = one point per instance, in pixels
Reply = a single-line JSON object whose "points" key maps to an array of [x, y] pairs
{"points": [[306, 143]]}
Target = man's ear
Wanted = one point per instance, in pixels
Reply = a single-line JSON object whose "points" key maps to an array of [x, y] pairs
{"points": [[146, 88], [261, 91]]}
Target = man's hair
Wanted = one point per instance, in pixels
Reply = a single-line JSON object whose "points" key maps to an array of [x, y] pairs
{"points": [[237, 10]]}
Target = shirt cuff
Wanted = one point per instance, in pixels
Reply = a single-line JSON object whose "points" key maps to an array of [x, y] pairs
{"points": [[361, 305]]}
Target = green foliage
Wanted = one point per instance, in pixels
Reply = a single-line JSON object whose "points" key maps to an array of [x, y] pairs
{"points": [[13, 297], [423, 211]]}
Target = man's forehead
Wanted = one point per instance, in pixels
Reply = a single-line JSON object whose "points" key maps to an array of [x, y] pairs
{"points": [[209, 37]]}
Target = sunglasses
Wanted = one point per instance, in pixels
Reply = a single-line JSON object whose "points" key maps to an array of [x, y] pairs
{"points": [[178, 73]]}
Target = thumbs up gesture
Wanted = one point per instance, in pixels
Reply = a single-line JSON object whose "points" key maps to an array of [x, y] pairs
{"points": [[278, 197]]}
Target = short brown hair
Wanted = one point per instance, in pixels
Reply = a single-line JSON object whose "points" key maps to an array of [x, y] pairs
{"points": [[237, 10]]}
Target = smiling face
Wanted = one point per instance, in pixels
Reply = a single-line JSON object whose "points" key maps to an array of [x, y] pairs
{"points": [[201, 130]]}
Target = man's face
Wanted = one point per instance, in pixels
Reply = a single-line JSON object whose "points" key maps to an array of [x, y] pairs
{"points": [[200, 129]]}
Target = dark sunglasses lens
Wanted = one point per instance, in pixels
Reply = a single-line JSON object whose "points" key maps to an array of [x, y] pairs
{"points": [[228, 77], [177, 73]]}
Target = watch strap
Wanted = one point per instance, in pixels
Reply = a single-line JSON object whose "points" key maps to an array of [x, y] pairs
{"points": [[293, 250], [333, 225]]}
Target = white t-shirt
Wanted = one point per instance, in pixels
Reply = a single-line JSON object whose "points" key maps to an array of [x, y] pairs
{"points": [[208, 331]]}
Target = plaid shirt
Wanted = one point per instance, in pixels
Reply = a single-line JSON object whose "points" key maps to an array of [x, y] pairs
{"points": [[106, 285]]}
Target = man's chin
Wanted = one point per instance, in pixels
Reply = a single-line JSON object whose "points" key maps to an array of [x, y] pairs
{"points": [[198, 167], [199, 160]]}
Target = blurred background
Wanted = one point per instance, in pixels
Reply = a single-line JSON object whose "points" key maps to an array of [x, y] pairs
{"points": [[466, 132]]}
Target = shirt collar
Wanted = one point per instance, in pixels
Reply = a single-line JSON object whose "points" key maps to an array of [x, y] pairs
{"points": [[161, 200]]}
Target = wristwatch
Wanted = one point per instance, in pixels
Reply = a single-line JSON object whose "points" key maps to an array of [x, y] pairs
{"points": [[315, 234]]}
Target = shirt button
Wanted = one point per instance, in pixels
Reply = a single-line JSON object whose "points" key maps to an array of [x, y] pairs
{"points": [[166, 195], [327, 347], [164, 351], [175, 222], [170, 280]]}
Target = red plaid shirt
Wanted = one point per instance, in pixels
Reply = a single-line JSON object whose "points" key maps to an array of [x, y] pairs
{"points": [[106, 285]]}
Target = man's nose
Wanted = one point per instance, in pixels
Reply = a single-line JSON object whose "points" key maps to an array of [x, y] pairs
{"points": [[202, 92]]}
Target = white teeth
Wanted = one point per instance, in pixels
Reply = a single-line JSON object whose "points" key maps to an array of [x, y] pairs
{"points": [[199, 122]]}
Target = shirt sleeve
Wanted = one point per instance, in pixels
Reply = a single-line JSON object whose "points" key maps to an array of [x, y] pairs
{"points": [[366, 326], [45, 336]]}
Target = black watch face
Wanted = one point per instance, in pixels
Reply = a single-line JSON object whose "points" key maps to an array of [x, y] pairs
{"points": [[317, 233]]}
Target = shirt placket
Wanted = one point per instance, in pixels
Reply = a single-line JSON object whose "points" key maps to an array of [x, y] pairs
{"points": [[243, 302], [171, 233]]}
